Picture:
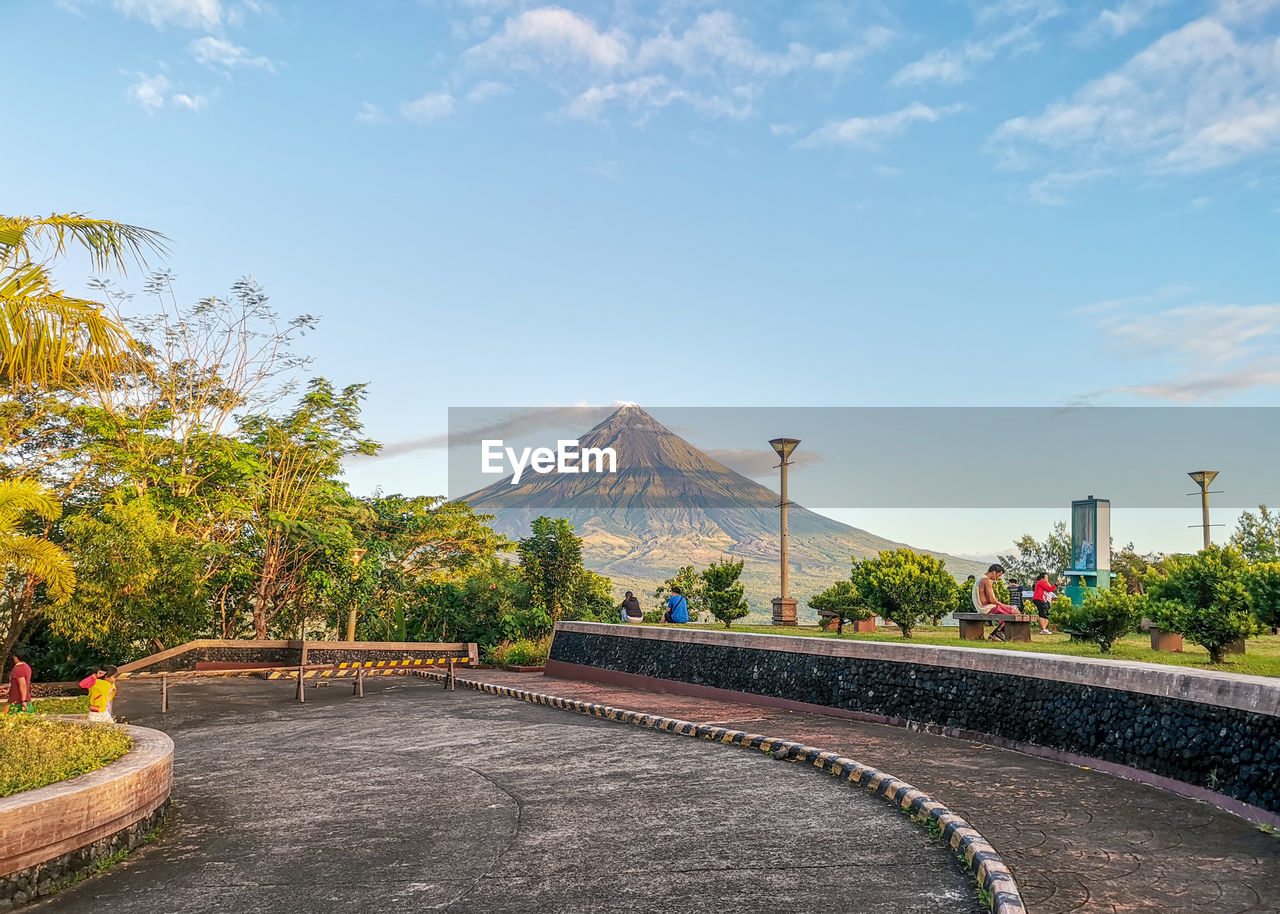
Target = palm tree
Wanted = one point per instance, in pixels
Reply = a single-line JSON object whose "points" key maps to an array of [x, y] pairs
{"points": [[26, 561], [45, 334]]}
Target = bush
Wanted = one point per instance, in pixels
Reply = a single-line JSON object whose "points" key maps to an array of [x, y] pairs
{"points": [[843, 599], [1203, 598], [1262, 580], [1103, 617], [905, 587], [722, 591], [521, 652], [37, 751]]}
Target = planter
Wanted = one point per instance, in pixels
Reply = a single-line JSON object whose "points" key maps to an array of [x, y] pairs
{"points": [[865, 626], [1165, 641], [511, 668], [1235, 647]]}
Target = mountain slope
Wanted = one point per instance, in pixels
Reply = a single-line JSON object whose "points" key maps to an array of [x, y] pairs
{"points": [[670, 505]]}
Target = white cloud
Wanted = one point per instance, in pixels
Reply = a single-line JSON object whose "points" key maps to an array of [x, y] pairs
{"points": [[487, 89], [1127, 16], [149, 92], [190, 102], [1198, 98], [867, 132], [650, 93], [1050, 190], [955, 64], [430, 107], [551, 36], [782, 129], [204, 14], [370, 113], [1216, 350], [215, 52]]}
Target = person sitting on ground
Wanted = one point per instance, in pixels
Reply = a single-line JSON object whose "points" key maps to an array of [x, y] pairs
{"points": [[20, 686], [984, 598], [631, 611], [1041, 599], [102, 695], [677, 607]]}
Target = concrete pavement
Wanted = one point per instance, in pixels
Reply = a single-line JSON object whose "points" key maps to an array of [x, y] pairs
{"points": [[416, 798], [1076, 840]]}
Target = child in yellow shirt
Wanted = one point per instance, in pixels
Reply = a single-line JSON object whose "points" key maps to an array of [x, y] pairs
{"points": [[101, 695]]}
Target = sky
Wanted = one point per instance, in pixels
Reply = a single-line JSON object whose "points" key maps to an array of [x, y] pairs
{"points": [[686, 203]]}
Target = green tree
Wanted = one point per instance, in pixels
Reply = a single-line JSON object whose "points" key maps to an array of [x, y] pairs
{"points": [[31, 564], [303, 513], [1257, 536], [551, 557], [47, 336], [1131, 568], [723, 591], [1203, 597], [140, 583], [844, 601], [690, 582], [1103, 617], [905, 587], [1262, 580], [591, 598], [1031, 556]]}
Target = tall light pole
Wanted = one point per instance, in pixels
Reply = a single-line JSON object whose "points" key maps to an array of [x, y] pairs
{"points": [[1204, 479], [784, 608], [356, 556]]}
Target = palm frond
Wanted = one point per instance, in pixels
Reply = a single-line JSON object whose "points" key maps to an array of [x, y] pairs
{"points": [[111, 245], [41, 559], [25, 496]]}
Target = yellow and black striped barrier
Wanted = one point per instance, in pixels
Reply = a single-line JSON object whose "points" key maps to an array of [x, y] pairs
{"points": [[368, 667]]}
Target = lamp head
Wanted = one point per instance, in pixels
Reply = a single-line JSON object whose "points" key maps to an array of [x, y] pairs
{"points": [[784, 446], [1203, 478]]}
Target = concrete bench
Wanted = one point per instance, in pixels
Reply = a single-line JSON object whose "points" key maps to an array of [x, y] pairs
{"points": [[1017, 626]]}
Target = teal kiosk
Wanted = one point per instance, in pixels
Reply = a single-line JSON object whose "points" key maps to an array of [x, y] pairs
{"points": [[1090, 548]]}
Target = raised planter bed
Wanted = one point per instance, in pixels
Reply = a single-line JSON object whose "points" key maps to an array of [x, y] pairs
{"points": [[53, 833], [1165, 641]]}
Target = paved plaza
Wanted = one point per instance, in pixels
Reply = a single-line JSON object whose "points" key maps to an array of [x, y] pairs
{"points": [[419, 799]]}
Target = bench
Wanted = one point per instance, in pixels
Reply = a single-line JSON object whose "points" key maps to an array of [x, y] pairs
{"points": [[1017, 626]]}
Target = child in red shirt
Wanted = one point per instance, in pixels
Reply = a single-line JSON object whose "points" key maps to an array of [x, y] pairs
{"points": [[1040, 597]]}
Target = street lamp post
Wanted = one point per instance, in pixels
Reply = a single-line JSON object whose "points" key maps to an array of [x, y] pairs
{"points": [[784, 608], [1204, 479], [356, 556]]}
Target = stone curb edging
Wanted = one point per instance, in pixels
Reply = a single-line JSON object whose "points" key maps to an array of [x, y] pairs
{"points": [[47, 822], [980, 858]]}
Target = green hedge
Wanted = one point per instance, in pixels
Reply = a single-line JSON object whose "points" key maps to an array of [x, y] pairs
{"points": [[36, 751]]}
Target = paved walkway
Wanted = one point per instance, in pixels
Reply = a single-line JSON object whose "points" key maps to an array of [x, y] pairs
{"points": [[419, 799], [1075, 839]]}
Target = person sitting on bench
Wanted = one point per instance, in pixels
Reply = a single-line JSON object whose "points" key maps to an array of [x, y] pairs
{"points": [[984, 599]]}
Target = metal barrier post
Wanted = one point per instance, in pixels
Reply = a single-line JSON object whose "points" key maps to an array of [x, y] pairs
{"points": [[302, 692], [164, 694]]}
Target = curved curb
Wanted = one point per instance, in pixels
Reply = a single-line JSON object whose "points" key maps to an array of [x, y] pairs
{"points": [[980, 858], [42, 824]]}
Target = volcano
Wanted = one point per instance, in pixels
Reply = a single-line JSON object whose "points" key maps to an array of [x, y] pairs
{"points": [[670, 504]]}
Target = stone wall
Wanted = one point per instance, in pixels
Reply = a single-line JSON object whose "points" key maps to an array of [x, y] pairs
{"points": [[1218, 732]]}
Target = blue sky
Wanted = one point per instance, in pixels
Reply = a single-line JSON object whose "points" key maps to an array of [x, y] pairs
{"points": [[958, 202]]}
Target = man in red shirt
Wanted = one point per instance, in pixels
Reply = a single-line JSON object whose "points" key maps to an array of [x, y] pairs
{"points": [[20, 686], [1041, 600]]}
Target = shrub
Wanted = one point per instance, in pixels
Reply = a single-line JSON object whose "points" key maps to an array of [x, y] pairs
{"points": [[843, 599], [521, 652], [36, 751], [1262, 580], [1203, 598], [1103, 617], [905, 587], [722, 591]]}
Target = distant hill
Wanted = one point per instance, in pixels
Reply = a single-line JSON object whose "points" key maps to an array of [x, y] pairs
{"points": [[671, 505]]}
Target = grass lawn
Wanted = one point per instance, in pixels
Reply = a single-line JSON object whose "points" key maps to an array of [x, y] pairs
{"points": [[78, 704], [1261, 659], [35, 751]]}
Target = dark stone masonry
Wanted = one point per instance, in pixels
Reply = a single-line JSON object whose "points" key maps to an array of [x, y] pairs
{"points": [[46, 878], [1233, 752]]}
